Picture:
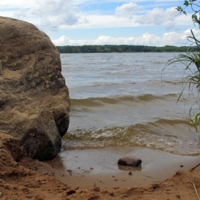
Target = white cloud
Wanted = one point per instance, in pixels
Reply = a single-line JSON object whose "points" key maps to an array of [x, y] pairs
{"points": [[125, 16], [183, 20], [127, 10], [101, 21], [170, 38], [51, 15], [174, 38], [11, 4], [158, 16], [56, 15], [46, 14]]}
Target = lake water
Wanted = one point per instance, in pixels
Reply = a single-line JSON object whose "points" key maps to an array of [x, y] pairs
{"points": [[126, 99]]}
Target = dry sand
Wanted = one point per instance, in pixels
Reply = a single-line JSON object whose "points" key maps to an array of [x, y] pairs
{"points": [[86, 179]]}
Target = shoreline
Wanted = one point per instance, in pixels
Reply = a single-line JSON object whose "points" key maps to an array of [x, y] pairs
{"points": [[25, 178], [87, 168]]}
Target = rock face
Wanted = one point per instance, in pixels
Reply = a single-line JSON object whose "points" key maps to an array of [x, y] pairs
{"points": [[34, 100]]}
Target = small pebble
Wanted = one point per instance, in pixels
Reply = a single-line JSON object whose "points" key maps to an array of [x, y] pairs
{"points": [[130, 173], [70, 192], [112, 194], [130, 161]]}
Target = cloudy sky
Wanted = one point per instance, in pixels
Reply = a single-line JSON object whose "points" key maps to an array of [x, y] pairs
{"points": [[80, 22]]}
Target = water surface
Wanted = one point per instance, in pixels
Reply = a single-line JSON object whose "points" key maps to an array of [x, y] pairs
{"points": [[127, 99]]}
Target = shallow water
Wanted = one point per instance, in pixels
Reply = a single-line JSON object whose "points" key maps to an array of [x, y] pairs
{"points": [[122, 99], [88, 167]]}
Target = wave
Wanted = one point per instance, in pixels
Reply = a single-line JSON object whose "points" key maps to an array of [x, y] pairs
{"points": [[98, 101], [175, 136], [175, 82]]}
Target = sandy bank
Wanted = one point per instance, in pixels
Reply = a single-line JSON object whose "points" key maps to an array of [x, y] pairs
{"points": [[99, 167], [25, 178]]}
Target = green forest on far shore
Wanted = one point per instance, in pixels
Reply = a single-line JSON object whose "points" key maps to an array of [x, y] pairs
{"points": [[121, 49]]}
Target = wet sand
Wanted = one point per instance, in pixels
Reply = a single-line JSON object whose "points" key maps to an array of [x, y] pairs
{"points": [[86, 168], [95, 175]]}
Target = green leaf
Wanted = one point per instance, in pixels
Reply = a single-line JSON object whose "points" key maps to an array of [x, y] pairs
{"points": [[186, 3], [195, 18], [179, 8], [196, 119]]}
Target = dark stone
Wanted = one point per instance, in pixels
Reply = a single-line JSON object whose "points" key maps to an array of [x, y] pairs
{"points": [[70, 192], [130, 161]]}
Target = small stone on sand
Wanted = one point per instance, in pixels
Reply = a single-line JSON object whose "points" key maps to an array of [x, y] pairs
{"points": [[130, 161]]}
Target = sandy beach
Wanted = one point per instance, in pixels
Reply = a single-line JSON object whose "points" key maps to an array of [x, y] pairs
{"points": [[93, 174], [98, 167]]}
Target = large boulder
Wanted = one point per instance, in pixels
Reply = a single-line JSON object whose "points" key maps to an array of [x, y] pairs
{"points": [[34, 100]]}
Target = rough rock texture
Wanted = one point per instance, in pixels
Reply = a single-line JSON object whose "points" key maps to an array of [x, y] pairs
{"points": [[34, 100]]}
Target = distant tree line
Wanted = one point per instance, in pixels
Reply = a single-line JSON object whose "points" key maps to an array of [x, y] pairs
{"points": [[120, 49]]}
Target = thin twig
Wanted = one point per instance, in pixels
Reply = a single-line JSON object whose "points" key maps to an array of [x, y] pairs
{"points": [[195, 189], [195, 167], [70, 172]]}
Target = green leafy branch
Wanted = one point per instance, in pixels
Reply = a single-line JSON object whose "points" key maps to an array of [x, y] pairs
{"points": [[195, 8]]}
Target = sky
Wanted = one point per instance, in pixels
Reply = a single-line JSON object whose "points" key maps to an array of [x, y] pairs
{"points": [[100, 22]]}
